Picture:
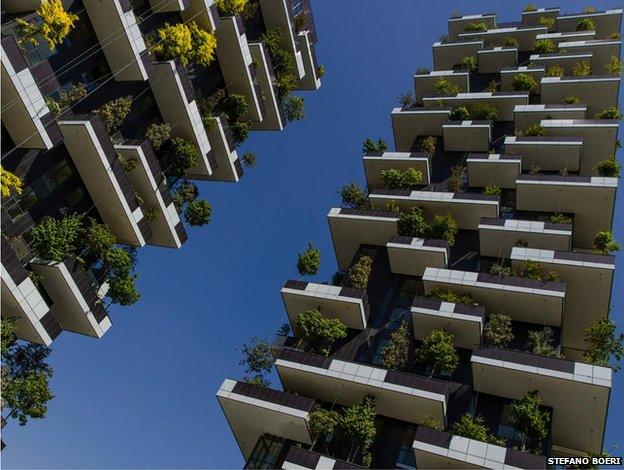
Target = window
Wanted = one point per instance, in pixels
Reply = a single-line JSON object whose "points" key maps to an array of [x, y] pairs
{"points": [[505, 429], [405, 457], [57, 174], [72, 199], [18, 205], [267, 452], [297, 8]]}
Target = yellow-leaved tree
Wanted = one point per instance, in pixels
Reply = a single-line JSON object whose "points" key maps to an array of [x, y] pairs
{"points": [[9, 182], [231, 7], [54, 25], [186, 42]]}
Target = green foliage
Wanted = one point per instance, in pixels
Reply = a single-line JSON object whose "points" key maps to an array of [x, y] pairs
{"points": [[572, 100], [459, 113], [186, 42], [428, 145], [309, 260], [585, 24], [120, 261], [529, 419], [534, 130], [258, 380], [475, 27], [99, 238], [180, 155], [548, 21], [468, 63], [369, 145], [249, 159], [412, 223], [500, 270], [185, 192], [497, 331], [614, 66], [530, 269], [394, 353], [158, 134], [406, 99], [604, 242], [603, 344], [359, 272], [450, 296], [66, 99], [318, 332], [555, 71], [609, 113], [122, 290], [443, 227], [322, 424], [258, 359], [589, 9], [443, 85], [197, 213], [431, 422], [283, 62], [524, 82], [55, 24], [7, 332], [320, 71], [114, 112], [393, 178], [356, 427], [492, 86], [545, 46], [483, 111], [581, 69], [438, 352], [492, 190], [294, 108], [56, 239], [473, 427], [510, 41], [231, 7], [352, 195], [454, 183], [542, 342], [609, 167], [560, 219], [234, 106], [10, 182], [530, 7], [240, 131], [614, 35]]}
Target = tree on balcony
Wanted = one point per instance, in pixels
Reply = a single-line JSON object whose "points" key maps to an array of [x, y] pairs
{"points": [[604, 346], [318, 332], [438, 352], [394, 354], [180, 155], [294, 108], [428, 145], [359, 272], [353, 196], [528, 417], [545, 46], [406, 99], [53, 24], [497, 331], [9, 183], [56, 239], [561, 219], [524, 82], [258, 361], [610, 113], [413, 224], [473, 427], [445, 87], [394, 178], [356, 429], [604, 242], [459, 113], [231, 7], [309, 261], [555, 71], [322, 425], [581, 69], [609, 167], [66, 99], [158, 134], [369, 145], [186, 42], [114, 112], [249, 159], [450, 296], [614, 66], [585, 24], [542, 342], [468, 63], [196, 212], [443, 227], [476, 27]]}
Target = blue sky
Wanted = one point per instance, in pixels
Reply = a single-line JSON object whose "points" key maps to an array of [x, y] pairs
{"points": [[144, 395]]}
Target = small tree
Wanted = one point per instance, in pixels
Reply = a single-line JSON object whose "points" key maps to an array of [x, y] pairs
{"points": [[528, 417], [309, 260], [356, 428], [231, 7], [468, 63], [294, 108], [483, 111], [530, 7], [322, 424], [454, 183], [197, 213], [406, 99], [249, 159], [234, 106], [475, 27], [158, 134], [524, 82], [585, 24], [542, 342], [581, 69], [604, 242], [614, 66], [410, 178], [555, 71], [359, 272], [534, 130], [547, 21], [10, 182], [492, 190], [66, 99], [56, 239], [438, 352], [394, 354], [500, 270], [122, 290], [180, 155], [530, 269], [352, 195], [186, 42], [99, 238], [545, 46], [450, 296], [603, 344], [497, 331], [114, 112], [240, 131], [560, 219], [319, 333], [258, 360], [428, 145], [609, 167], [55, 25], [459, 113], [609, 113], [492, 86], [369, 145], [412, 223], [473, 427], [444, 86], [443, 227]]}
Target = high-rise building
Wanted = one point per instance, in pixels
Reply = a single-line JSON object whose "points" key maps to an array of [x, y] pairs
{"points": [[469, 271], [109, 109]]}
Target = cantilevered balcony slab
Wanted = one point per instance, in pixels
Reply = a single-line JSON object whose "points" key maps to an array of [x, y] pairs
{"points": [[464, 322], [298, 458], [467, 136], [223, 150], [599, 138], [440, 449], [567, 36], [375, 163], [411, 122], [497, 237], [204, 12], [76, 303], [20, 6], [273, 120], [176, 101], [149, 183], [347, 304], [562, 59], [508, 74], [493, 169], [493, 60], [311, 79], [351, 228], [25, 114], [495, 37], [252, 410], [607, 21], [237, 66], [120, 38], [398, 395], [425, 83], [549, 153], [599, 92], [22, 300], [532, 18], [588, 278], [169, 6], [578, 393], [458, 25], [590, 198], [602, 50], [526, 300], [277, 14], [503, 101], [447, 55], [411, 256], [92, 152], [531, 114], [466, 208]]}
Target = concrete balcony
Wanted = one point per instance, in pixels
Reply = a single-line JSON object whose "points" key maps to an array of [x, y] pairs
{"points": [[458, 25], [21, 299], [447, 55], [440, 449], [351, 228], [311, 79], [252, 411], [425, 84], [20, 6], [237, 66], [532, 18], [567, 36], [374, 164], [578, 393], [597, 92], [493, 169], [409, 123], [508, 74], [464, 322], [564, 60], [24, 112], [149, 183], [411, 256], [495, 37], [273, 120], [526, 300], [92, 152], [228, 166], [398, 395], [588, 278], [120, 38], [497, 237], [503, 101], [203, 12], [277, 14], [607, 21], [493, 60], [601, 50], [169, 6], [549, 153], [77, 302], [298, 458], [175, 98], [590, 198], [467, 136], [599, 137], [466, 208], [531, 114], [348, 305]]}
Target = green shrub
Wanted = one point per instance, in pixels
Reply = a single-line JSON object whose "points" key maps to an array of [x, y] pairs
{"points": [[497, 331], [482, 111], [492, 86], [534, 130], [158, 134], [56, 239], [394, 354], [609, 113], [369, 145], [231, 7], [358, 274], [180, 155], [443, 85], [319, 333], [548, 21], [309, 260], [114, 112], [450, 296], [234, 106], [510, 41], [66, 99], [249, 159], [604, 242], [438, 352], [542, 342], [555, 71], [528, 417], [571, 100], [585, 24], [197, 213], [581, 69], [530, 7], [603, 344], [119, 261], [320, 71], [240, 131], [500, 270], [412, 223], [406, 100], [614, 66], [454, 183], [428, 145], [353, 196], [410, 178], [475, 27], [122, 290], [545, 46], [560, 219], [524, 82], [99, 238], [54, 25], [294, 108], [492, 191], [187, 43], [609, 167], [614, 35], [443, 227], [473, 427], [459, 113], [468, 63]]}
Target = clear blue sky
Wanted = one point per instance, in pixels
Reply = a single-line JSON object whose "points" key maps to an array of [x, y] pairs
{"points": [[144, 395]]}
